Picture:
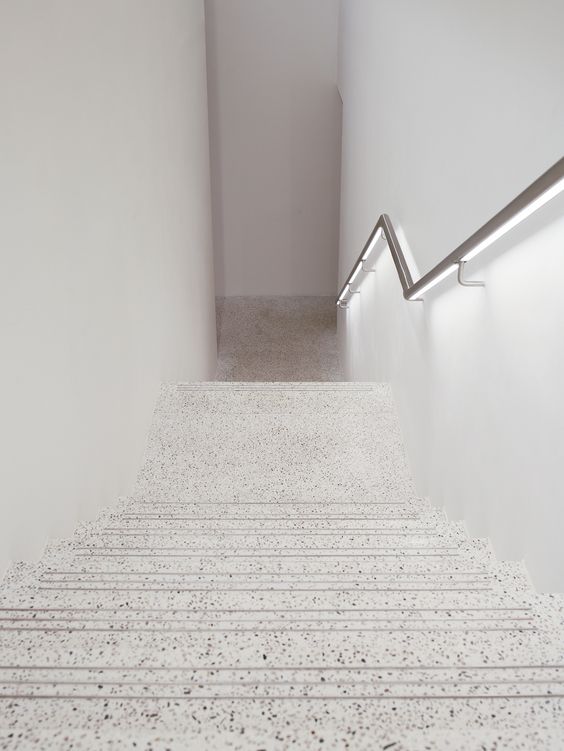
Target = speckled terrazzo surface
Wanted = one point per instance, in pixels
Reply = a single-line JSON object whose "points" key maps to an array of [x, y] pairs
{"points": [[275, 583], [277, 339]]}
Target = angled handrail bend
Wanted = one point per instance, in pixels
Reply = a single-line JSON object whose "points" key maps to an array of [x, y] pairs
{"points": [[542, 190]]}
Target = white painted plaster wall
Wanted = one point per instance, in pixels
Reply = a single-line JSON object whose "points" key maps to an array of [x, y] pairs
{"points": [[275, 145], [450, 110], [105, 241]]}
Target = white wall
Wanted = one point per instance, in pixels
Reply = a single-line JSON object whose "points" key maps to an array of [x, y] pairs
{"points": [[106, 284], [450, 110], [275, 145]]}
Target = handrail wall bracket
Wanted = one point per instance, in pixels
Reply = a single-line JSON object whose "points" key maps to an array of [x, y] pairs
{"points": [[466, 282]]}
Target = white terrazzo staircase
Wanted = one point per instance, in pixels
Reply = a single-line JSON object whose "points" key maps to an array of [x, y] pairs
{"points": [[275, 583]]}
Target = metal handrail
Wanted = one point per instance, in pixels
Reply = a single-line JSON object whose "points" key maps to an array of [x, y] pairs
{"points": [[542, 190]]}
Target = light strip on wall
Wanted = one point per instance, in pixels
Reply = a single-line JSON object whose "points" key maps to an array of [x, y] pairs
{"points": [[433, 282], [537, 194], [525, 212], [346, 291], [355, 273], [343, 294], [370, 248]]}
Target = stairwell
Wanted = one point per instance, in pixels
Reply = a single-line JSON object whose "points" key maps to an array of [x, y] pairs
{"points": [[274, 582]]}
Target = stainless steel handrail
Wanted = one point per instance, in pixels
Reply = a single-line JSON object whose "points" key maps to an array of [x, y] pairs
{"points": [[542, 190]]}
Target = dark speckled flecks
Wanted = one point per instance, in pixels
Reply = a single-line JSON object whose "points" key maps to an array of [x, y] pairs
{"points": [[275, 582]]}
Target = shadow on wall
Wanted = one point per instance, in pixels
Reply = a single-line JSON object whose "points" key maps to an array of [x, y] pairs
{"points": [[277, 339], [442, 142], [477, 376]]}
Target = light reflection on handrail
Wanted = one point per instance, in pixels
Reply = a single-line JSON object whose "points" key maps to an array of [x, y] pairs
{"points": [[542, 190]]}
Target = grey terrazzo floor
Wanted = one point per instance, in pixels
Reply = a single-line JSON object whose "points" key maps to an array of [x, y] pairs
{"points": [[277, 339], [274, 582]]}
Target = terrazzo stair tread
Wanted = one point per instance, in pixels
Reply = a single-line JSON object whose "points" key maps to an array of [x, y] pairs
{"points": [[175, 555], [191, 536], [285, 569], [276, 522], [166, 499], [507, 582], [186, 528], [550, 610], [146, 740], [414, 555], [292, 561], [289, 495], [198, 539], [307, 621], [459, 528], [223, 591], [287, 563], [536, 629], [79, 547], [280, 514], [238, 726], [537, 733], [280, 553], [301, 601], [264, 526], [58, 546], [273, 647], [258, 579], [294, 577], [262, 541], [275, 386], [206, 585], [313, 605], [346, 738], [177, 592], [552, 603], [248, 600], [144, 620], [361, 492], [224, 741], [325, 625], [293, 566], [514, 571], [267, 581], [281, 386], [274, 724], [382, 500], [374, 588], [17, 573], [278, 494], [204, 589], [550, 736], [261, 524], [306, 543], [357, 690], [279, 517], [256, 676], [333, 465], [331, 489], [386, 552], [312, 505]]}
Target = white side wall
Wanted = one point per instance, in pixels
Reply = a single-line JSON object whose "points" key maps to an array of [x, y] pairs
{"points": [[106, 282], [275, 145], [450, 110]]}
